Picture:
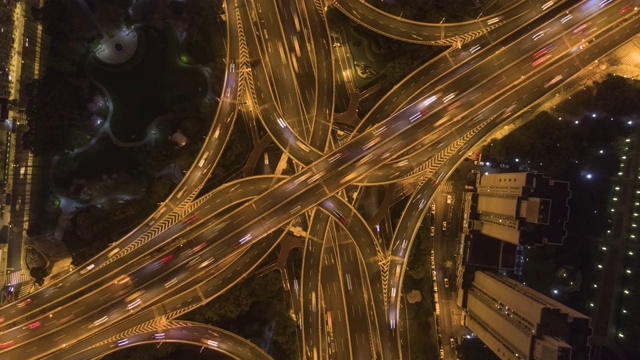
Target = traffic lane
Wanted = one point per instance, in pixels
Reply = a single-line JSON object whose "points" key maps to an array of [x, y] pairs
{"points": [[279, 64], [186, 332], [336, 326], [418, 32], [269, 113], [291, 22], [309, 284], [324, 65], [355, 294]]}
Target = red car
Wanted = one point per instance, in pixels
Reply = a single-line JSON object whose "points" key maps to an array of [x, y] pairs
{"points": [[199, 247], [32, 325], [191, 219], [542, 51], [24, 303], [165, 259], [6, 345], [625, 8]]}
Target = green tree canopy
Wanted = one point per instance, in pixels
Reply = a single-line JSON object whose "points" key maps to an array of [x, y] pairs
{"points": [[57, 105]]}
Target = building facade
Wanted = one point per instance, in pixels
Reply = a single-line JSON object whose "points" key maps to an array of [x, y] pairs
{"points": [[518, 323]]}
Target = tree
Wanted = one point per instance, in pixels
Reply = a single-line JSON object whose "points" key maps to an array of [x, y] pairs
{"points": [[55, 19], [57, 105], [38, 274], [284, 335], [267, 286], [200, 15]]}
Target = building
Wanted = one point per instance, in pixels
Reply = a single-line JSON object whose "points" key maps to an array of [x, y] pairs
{"points": [[518, 323], [7, 49], [521, 208]]}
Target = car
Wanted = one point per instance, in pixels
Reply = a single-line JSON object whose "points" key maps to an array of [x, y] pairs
{"points": [[452, 342], [433, 231], [444, 225], [6, 345], [113, 252], [448, 199], [341, 217], [553, 81], [191, 219], [446, 282], [539, 35], [604, 3], [199, 247], [165, 259], [540, 60], [24, 303], [65, 319], [543, 51], [625, 8], [31, 326], [347, 178], [122, 279], [87, 269], [580, 28], [441, 353]]}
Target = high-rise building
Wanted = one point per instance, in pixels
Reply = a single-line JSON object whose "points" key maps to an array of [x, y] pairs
{"points": [[6, 47], [521, 208], [518, 323]]}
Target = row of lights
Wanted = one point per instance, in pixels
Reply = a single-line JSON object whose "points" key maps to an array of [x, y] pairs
{"points": [[633, 224]]}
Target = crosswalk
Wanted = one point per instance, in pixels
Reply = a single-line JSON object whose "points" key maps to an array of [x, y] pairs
{"points": [[446, 187], [18, 277], [23, 279]]}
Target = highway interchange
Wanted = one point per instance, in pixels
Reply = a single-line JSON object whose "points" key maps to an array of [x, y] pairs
{"points": [[347, 297]]}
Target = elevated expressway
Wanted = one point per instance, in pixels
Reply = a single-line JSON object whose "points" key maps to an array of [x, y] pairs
{"points": [[183, 332], [434, 34], [290, 198]]}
